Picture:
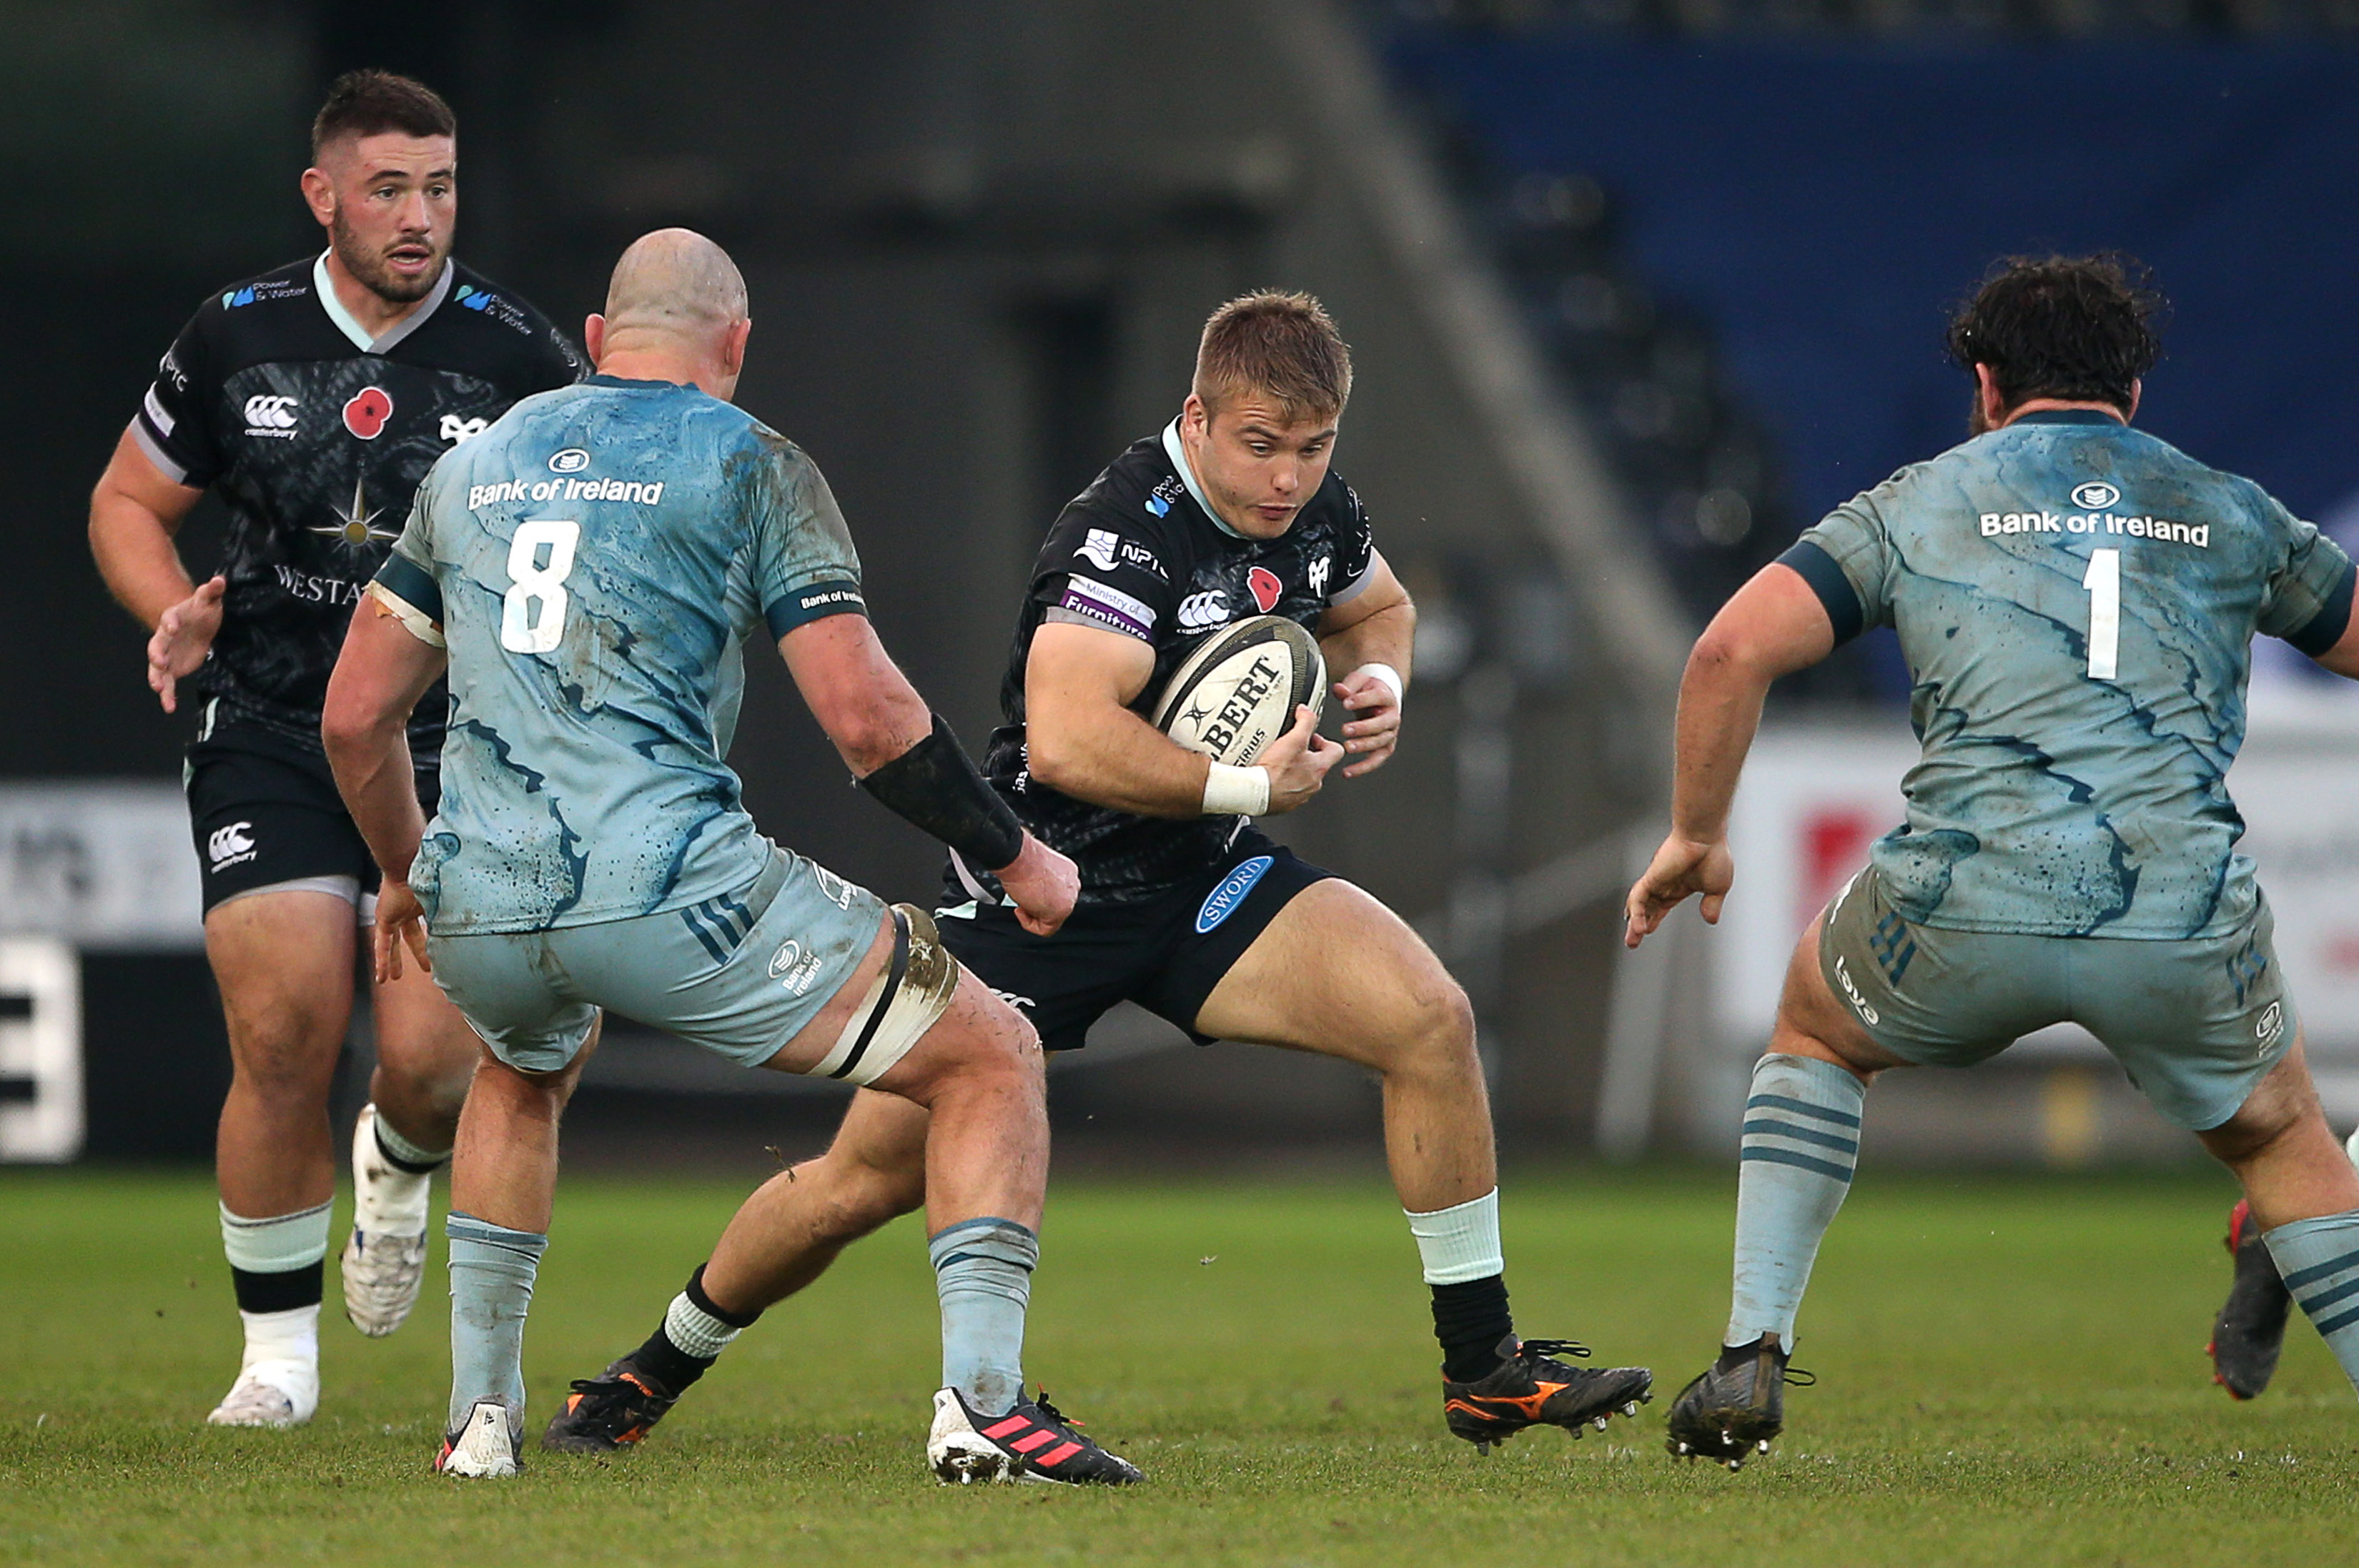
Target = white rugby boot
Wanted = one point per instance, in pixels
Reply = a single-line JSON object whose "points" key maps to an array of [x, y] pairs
{"points": [[279, 1382], [385, 1261], [486, 1446]]}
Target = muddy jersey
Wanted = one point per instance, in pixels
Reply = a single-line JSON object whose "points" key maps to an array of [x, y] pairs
{"points": [[316, 436], [1140, 553], [2076, 602], [596, 560]]}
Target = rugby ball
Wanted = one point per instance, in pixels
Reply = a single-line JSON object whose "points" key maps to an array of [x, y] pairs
{"points": [[1239, 691]]}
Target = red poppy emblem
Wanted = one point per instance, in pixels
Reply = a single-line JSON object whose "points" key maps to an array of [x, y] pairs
{"points": [[365, 414], [1265, 585]]}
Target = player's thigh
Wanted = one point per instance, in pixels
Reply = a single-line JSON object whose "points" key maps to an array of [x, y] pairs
{"points": [[1884, 991], [1338, 973], [284, 963], [976, 1032], [2197, 1025]]}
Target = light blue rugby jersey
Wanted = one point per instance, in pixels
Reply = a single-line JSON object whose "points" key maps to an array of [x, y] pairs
{"points": [[596, 559], [2074, 777]]}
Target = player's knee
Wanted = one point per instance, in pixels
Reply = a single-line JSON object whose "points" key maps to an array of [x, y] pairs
{"points": [[1437, 1025], [283, 1070]]}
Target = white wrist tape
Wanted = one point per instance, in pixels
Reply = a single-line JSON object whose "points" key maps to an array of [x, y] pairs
{"points": [[1390, 677], [1235, 792]]}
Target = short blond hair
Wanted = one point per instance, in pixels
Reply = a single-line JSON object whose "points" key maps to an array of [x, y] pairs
{"points": [[1282, 345]]}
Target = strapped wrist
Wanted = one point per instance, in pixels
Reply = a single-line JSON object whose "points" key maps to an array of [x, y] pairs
{"points": [[1235, 792], [1388, 677]]}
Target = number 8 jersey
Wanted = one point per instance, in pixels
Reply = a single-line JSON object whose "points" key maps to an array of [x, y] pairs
{"points": [[594, 562], [2076, 602]]}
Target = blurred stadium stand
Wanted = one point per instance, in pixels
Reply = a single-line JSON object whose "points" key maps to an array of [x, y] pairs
{"points": [[1638, 287], [981, 240]]}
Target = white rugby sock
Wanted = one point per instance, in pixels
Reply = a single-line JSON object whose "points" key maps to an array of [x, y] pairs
{"points": [[388, 1200], [1460, 1243]]}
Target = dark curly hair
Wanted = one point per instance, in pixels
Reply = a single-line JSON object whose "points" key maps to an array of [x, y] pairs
{"points": [[2077, 327]]}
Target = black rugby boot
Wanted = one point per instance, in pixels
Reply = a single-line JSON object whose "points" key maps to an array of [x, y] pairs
{"points": [[1531, 1389], [1731, 1413], [612, 1411], [1034, 1442], [2250, 1329]]}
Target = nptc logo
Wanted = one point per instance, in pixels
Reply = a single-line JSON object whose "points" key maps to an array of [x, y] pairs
{"points": [[367, 414]]}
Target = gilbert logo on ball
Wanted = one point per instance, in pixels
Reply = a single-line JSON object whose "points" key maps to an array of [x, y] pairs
{"points": [[1266, 588], [365, 414]]}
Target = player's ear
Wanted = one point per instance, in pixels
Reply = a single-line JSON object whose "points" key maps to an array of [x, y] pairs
{"points": [[1195, 418], [319, 194], [593, 338], [1986, 388], [2137, 390], [733, 346]]}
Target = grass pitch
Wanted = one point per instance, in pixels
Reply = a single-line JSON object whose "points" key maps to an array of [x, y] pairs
{"points": [[2011, 1372]]}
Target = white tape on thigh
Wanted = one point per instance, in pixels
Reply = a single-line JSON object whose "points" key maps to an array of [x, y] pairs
{"points": [[913, 991]]}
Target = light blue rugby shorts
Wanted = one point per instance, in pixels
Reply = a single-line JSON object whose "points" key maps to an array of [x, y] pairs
{"points": [[2195, 1024], [740, 974]]}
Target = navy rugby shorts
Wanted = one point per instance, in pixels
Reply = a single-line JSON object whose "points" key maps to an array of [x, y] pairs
{"points": [[1165, 952]]}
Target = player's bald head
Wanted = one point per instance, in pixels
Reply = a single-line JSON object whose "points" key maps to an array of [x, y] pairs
{"points": [[674, 281]]}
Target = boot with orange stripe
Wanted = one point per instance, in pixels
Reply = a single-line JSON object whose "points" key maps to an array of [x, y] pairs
{"points": [[1034, 1442], [1530, 1387], [615, 1410]]}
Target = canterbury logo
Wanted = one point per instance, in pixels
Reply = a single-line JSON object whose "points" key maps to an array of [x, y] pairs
{"points": [[269, 411], [231, 845]]}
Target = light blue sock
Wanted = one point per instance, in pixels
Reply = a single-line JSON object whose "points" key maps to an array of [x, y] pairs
{"points": [[1801, 1141], [2319, 1260], [492, 1270], [982, 1271]]}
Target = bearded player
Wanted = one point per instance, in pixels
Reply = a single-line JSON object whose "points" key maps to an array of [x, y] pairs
{"points": [[1185, 907], [313, 399], [2077, 602]]}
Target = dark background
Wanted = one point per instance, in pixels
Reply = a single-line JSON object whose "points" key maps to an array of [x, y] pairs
{"points": [[980, 240]]}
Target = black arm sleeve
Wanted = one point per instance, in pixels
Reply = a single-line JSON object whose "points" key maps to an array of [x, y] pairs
{"points": [[935, 787]]}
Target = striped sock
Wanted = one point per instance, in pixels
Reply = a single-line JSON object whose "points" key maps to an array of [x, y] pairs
{"points": [[491, 1273], [2319, 1260], [1801, 1141], [983, 1272]]}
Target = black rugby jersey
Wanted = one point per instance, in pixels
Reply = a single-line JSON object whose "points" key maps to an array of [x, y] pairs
{"points": [[316, 438], [1139, 553]]}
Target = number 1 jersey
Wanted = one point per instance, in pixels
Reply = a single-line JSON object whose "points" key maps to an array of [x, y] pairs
{"points": [[2076, 602], [595, 561]]}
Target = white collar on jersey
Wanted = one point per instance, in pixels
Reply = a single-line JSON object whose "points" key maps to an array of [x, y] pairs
{"points": [[325, 287], [1179, 455]]}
